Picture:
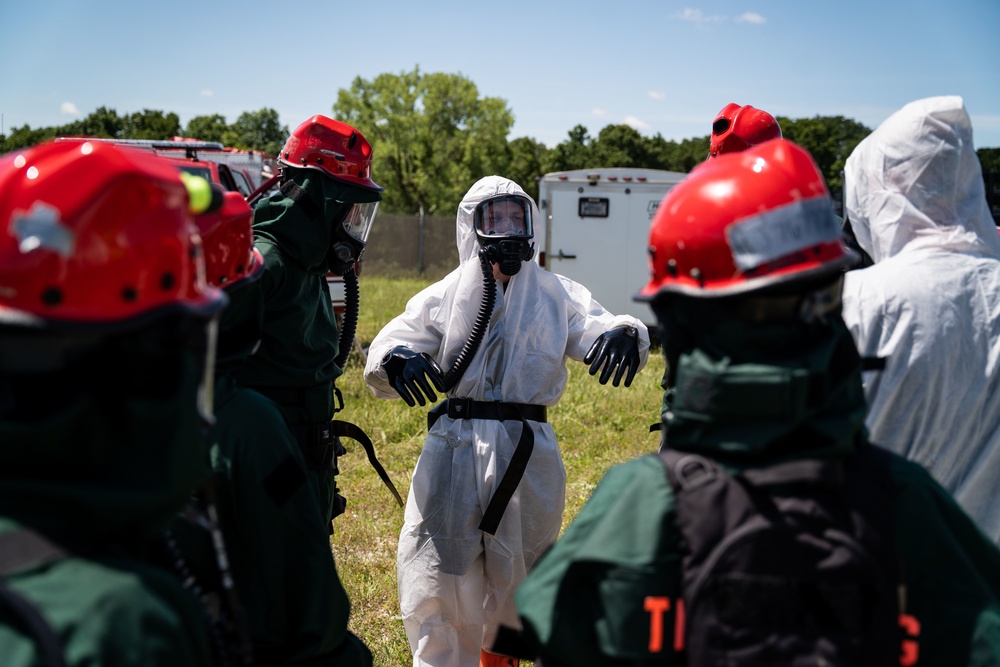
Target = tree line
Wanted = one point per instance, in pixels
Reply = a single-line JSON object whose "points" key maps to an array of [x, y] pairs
{"points": [[433, 135]]}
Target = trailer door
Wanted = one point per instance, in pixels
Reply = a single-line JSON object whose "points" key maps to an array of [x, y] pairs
{"points": [[598, 237]]}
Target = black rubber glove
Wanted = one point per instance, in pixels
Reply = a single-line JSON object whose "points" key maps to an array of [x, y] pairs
{"points": [[615, 349], [407, 370]]}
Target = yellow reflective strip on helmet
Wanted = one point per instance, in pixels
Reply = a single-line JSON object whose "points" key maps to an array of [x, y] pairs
{"points": [[199, 193]]}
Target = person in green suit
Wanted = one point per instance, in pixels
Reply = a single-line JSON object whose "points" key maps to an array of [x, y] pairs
{"points": [[747, 262], [105, 331], [295, 608], [316, 223]]}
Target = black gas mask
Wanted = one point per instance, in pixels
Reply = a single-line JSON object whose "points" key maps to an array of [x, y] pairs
{"points": [[350, 234], [504, 230]]}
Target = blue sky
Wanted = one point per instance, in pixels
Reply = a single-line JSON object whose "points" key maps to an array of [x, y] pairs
{"points": [[665, 67]]}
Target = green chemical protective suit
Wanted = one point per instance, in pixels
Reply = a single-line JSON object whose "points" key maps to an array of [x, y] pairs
{"points": [[741, 401], [295, 606], [295, 363], [95, 461]]}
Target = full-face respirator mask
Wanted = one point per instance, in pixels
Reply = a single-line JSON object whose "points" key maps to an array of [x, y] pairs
{"points": [[504, 230], [350, 235]]}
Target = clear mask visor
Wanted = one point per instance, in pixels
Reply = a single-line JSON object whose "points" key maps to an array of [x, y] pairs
{"points": [[507, 216], [358, 221]]}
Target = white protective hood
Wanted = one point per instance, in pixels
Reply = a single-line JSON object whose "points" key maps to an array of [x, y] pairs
{"points": [[916, 182], [930, 305]]}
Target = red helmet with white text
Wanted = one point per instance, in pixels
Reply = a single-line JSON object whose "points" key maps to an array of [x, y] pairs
{"points": [[96, 234], [333, 147], [744, 222], [737, 128]]}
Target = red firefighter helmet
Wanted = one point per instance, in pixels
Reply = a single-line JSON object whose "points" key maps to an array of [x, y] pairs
{"points": [[93, 233], [743, 222], [227, 237], [333, 147], [738, 128]]}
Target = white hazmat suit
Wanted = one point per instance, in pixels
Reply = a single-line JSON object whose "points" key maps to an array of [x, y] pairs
{"points": [[930, 305], [456, 582]]}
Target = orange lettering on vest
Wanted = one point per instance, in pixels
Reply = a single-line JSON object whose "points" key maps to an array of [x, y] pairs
{"points": [[910, 652], [679, 626], [656, 606]]}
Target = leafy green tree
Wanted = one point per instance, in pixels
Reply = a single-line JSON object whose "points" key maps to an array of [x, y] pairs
{"points": [[829, 139], [257, 131], [573, 153], [151, 124], [432, 136], [989, 158], [622, 146], [688, 154], [207, 128], [22, 137], [101, 123], [526, 163]]}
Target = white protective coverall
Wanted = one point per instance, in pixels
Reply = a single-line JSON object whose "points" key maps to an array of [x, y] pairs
{"points": [[930, 305], [457, 583]]}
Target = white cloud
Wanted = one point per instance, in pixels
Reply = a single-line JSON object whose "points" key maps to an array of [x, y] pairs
{"points": [[695, 16], [69, 109], [207, 93], [657, 95], [636, 123], [600, 113]]}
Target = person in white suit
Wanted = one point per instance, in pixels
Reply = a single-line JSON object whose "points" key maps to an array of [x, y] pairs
{"points": [[488, 490], [926, 313]]}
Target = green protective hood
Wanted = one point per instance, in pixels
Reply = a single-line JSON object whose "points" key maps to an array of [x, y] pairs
{"points": [[747, 393], [304, 232], [239, 325], [115, 449]]}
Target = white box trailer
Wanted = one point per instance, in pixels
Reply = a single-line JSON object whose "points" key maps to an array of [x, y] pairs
{"points": [[595, 230]]}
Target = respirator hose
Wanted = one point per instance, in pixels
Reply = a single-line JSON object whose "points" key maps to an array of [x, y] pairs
{"points": [[349, 326], [455, 373]]}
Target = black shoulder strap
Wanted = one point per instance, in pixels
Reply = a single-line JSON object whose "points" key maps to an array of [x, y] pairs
{"points": [[32, 622], [18, 550], [298, 195]]}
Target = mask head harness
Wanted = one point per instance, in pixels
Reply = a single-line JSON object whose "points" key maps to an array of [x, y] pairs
{"points": [[504, 231]]}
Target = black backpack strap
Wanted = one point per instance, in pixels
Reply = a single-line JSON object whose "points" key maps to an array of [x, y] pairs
{"points": [[34, 624], [686, 471], [18, 550], [808, 471]]}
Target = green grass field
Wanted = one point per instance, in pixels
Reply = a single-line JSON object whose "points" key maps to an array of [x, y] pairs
{"points": [[597, 426]]}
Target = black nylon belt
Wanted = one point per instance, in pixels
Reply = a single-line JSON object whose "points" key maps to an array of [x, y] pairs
{"points": [[320, 442], [281, 395], [465, 408], [343, 429], [873, 363]]}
